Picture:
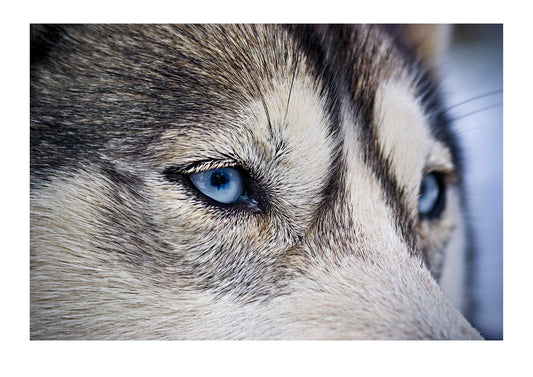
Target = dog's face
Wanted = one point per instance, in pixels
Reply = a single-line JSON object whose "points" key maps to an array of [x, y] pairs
{"points": [[239, 182]]}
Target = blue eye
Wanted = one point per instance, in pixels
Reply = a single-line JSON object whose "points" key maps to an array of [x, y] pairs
{"points": [[432, 196], [225, 185]]}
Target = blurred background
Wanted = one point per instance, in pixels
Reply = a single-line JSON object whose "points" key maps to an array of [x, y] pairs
{"points": [[473, 86]]}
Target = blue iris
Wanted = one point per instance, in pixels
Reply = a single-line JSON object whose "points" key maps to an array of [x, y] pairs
{"points": [[431, 201], [225, 185]]}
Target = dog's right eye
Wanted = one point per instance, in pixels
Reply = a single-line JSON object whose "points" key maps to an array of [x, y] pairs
{"points": [[224, 185]]}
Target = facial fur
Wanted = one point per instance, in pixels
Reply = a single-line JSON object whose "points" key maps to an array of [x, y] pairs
{"points": [[333, 129]]}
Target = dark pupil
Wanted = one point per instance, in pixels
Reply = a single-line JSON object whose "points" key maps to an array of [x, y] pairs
{"points": [[219, 179]]}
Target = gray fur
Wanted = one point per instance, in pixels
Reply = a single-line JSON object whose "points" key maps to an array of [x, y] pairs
{"points": [[123, 246]]}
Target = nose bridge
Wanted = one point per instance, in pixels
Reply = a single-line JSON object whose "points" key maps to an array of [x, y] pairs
{"points": [[358, 275], [363, 280], [363, 232], [362, 199], [355, 217], [355, 287]]}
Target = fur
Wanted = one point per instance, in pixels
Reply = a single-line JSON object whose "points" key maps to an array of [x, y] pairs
{"points": [[334, 128]]}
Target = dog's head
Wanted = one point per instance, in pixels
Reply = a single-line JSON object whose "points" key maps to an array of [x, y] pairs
{"points": [[240, 182]]}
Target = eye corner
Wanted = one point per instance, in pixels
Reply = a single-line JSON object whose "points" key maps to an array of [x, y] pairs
{"points": [[173, 174]]}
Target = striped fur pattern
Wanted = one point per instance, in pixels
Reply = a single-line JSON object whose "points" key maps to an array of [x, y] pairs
{"points": [[333, 129]]}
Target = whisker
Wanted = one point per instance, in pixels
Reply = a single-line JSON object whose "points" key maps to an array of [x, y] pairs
{"points": [[259, 88], [474, 99], [290, 90], [266, 111], [476, 111]]}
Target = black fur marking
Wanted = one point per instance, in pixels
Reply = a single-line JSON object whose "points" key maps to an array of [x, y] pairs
{"points": [[43, 38], [429, 94], [313, 43], [330, 50], [126, 225], [440, 123], [105, 85], [366, 67]]}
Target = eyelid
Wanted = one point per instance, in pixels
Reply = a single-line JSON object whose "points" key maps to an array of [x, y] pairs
{"points": [[449, 177], [180, 173], [440, 159]]}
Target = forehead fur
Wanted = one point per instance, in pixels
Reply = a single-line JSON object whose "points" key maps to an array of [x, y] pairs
{"points": [[90, 80]]}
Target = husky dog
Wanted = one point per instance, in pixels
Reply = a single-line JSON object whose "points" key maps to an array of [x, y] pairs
{"points": [[242, 182]]}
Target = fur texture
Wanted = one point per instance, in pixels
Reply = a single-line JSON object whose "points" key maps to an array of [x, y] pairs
{"points": [[333, 129]]}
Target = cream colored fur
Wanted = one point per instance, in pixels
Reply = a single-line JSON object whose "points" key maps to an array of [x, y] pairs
{"points": [[347, 272]]}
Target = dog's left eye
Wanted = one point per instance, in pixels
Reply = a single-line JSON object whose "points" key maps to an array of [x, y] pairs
{"points": [[225, 185], [432, 196]]}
